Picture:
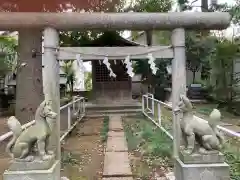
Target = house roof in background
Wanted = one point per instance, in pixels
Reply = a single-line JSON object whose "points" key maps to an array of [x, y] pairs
{"points": [[111, 39]]}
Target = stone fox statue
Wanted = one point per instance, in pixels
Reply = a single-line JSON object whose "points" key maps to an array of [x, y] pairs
{"points": [[23, 142], [206, 134]]}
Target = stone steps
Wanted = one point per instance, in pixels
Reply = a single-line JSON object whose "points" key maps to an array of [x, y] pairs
{"points": [[116, 161], [116, 164], [113, 106], [109, 112], [124, 108]]}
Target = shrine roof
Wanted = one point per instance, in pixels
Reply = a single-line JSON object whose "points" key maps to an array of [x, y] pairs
{"points": [[112, 39]]}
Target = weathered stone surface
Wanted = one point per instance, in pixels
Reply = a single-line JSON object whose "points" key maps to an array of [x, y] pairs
{"points": [[118, 178], [21, 146], [37, 164], [209, 137], [170, 176], [116, 144], [115, 123], [116, 21], [51, 174], [201, 158], [116, 134], [214, 171], [64, 178], [116, 164]]}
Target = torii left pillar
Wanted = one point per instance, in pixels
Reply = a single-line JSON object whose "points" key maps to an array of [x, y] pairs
{"points": [[51, 83], [45, 169], [51, 89]]}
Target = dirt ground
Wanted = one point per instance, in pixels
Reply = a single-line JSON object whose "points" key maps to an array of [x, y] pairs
{"points": [[82, 154]]}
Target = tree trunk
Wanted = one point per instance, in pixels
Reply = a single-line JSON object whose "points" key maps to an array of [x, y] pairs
{"points": [[149, 35], [204, 5], [194, 76], [204, 8], [72, 84], [29, 92]]}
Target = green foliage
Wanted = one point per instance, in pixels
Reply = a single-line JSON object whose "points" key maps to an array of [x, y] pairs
{"points": [[231, 152], [152, 5], [70, 74], [142, 66], [162, 78], [198, 49], [181, 2], [164, 37], [88, 81], [62, 5], [105, 129], [77, 39], [144, 137], [68, 158], [233, 159], [8, 55], [235, 12], [3, 65], [222, 62], [159, 145]]}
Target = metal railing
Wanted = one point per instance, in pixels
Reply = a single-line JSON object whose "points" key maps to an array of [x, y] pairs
{"points": [[152, 108], [70, 115], [148, 108]]}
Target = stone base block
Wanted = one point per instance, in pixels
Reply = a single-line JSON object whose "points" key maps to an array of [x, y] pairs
{"points": [[50, 174], [116, 134], [116, 144], [116, 164], [197, 158], [214, 171], [37, 163]]}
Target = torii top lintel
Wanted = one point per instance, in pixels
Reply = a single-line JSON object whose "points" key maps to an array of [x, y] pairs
{"points": [[115, 21]]}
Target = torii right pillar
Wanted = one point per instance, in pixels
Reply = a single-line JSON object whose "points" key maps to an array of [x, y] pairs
{"points": [[194, 166]]}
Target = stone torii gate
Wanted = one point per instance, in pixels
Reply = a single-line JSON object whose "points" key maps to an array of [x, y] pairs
{"points": [[51, 23]]}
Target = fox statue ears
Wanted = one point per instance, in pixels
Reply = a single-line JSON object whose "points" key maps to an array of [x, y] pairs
{"points": [[48, 100], [186, 101], [46, 103]]}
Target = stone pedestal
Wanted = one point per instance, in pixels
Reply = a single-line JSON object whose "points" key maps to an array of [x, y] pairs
{"points": [[37, 163], [206, 171], [196, 158], [53, 173]]}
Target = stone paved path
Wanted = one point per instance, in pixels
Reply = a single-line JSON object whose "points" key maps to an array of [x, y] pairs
{"points": [[116, 161]]}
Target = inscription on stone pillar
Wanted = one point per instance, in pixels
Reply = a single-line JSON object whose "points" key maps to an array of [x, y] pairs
{"points": [[207, 175]]}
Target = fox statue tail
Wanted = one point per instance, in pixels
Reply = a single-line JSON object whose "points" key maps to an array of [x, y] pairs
{"points": [[15, 126], [214, 118]]}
